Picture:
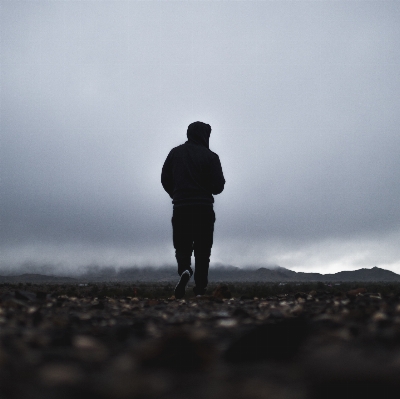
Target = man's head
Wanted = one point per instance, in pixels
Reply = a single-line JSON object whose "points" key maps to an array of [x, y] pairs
{"points": [[199, 133]]}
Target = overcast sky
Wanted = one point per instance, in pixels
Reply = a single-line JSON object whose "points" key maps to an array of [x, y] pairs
{"points": [[303, 98]]}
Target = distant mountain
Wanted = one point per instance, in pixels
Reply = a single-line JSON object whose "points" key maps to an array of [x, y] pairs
{"points": [[219, 273], [374, 274], [280, 274], [36, 278]]}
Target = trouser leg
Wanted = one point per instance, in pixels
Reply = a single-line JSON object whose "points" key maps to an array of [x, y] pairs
{"points": [[203, 241], [183, 239], [202, 265]]}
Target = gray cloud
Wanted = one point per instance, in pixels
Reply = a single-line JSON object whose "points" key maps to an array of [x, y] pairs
{"points": [[302, 97]]}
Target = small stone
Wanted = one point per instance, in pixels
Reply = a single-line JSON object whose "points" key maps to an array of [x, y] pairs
{"points": [[222, 313], [296, 310], [379, 316], [227, 323], [59, 374], [84, 316], [263, 304], [85, 342], [99, 305], [356, 291], [374, 295], [89, 348], [222, 292]]}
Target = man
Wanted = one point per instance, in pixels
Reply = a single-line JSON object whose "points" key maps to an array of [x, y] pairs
{"points": [[191, 174]]}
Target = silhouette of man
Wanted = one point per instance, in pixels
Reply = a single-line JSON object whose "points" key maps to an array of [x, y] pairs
{"points": [[191, 174]]}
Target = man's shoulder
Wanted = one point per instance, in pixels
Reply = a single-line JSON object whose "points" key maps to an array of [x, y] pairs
{"points": [[214, 154], [182, 148], [177, 149]]}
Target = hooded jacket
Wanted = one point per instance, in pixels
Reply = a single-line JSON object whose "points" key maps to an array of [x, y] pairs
{"points": [[192, 173]]}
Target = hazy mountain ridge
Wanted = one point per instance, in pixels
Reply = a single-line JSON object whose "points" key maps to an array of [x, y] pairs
{"points": [[218, 273], [35, 277], [280, 274]]}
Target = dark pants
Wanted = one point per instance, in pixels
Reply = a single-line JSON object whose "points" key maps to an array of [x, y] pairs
{"points": [[193, 229]]}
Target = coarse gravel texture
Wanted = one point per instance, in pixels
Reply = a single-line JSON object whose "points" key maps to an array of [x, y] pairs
{"points": [[315, 344]]}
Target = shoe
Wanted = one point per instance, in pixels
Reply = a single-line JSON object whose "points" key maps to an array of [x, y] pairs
{"points": [[180, 287]]}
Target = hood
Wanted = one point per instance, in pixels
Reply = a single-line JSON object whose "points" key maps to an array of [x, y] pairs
{"points": [[199, 133]]}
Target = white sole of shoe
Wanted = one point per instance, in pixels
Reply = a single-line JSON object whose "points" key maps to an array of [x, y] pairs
{"points": [[181, 286]]}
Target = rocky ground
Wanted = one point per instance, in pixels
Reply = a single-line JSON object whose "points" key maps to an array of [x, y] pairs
{"points": [[60, 342]]}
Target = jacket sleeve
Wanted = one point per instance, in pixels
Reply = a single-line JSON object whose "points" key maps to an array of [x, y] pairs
{"points": [[217, 177], [166, 176]]}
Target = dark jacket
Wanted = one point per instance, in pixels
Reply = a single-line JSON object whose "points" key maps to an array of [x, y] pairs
{"points": [[192, 173]]}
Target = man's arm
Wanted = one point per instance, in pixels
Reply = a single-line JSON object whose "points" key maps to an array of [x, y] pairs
{"points": [[166, 176], [217, 177]]}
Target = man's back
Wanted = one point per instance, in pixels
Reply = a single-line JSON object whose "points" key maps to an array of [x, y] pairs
{"points": [[192, 172]]}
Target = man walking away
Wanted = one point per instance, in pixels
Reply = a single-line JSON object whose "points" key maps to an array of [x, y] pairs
{"points": [[191, 174]]}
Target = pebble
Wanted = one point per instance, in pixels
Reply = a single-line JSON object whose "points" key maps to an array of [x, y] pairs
{"points": [[60, 374]]}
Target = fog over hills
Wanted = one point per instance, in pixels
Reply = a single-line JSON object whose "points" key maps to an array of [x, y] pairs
{"points": [[218, 273]]}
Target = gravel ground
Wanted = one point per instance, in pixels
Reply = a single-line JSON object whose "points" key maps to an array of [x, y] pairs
{"points": [[314, 344]]}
